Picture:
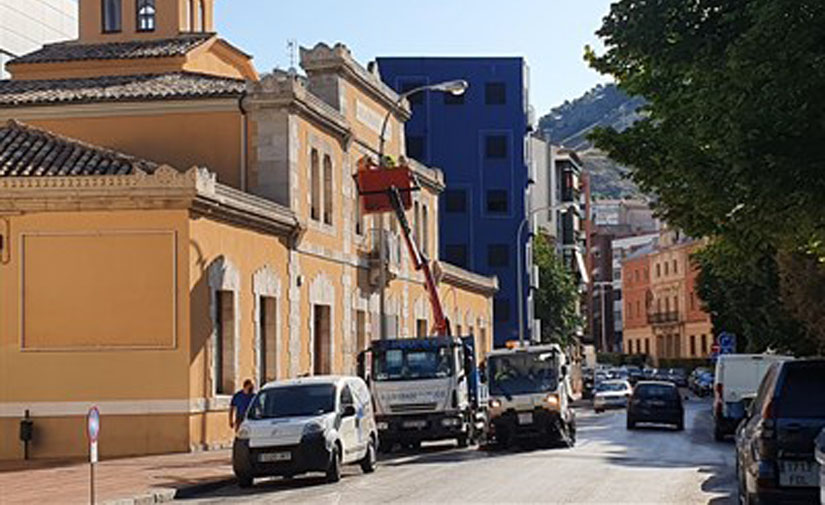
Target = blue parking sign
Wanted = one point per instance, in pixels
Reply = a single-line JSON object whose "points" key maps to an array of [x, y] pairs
{"points": [[727, 343]]}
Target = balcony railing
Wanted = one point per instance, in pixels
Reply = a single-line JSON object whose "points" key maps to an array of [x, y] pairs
{"points": [[663, 317]]}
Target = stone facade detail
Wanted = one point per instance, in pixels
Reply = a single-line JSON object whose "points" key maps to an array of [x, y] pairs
{"points": [[265, 282], [223, 276]]}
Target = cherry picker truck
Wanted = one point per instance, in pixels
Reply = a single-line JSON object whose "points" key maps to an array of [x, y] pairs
{"points": [[424, 389]]}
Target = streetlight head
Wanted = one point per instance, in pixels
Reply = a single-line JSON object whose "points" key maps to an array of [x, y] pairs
{"points": [[457, 87]]}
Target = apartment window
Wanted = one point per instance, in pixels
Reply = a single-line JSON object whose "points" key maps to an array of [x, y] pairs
{"points": [[497, 201], [225, 344], [425, 230], [322, 338], [666, 268], [647, 346], [315, 186], [146, 15], [677, 346], [658, 270], [112, 16], [417, 98], [638, 309], [675, 268], [455, 200], [421, 328], [452, 99], [327, 190], [693, 345], [202, 16], [498, 255], [675, 304], [704, 345], [495, 93], [415, 147], [501, 310], [636, 275], [267, 344], [495, 147], [456, 254]]}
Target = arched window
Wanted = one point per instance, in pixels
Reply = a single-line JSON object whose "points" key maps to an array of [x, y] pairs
{"points": [[112, 16], [327, 189], [315, 186], [146, 15], [202, 16]]}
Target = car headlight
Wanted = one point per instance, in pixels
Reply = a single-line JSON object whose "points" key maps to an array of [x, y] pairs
{"points": [[495, 403], [552, 400], [243, 433], [383, 426], [313, 427]]}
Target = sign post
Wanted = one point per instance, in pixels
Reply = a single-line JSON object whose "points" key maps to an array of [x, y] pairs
{"points": [[92, 432], [727, 343]]}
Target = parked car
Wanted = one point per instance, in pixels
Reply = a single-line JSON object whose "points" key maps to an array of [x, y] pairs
{"points": [[737, 376], [655, 402], [313, 424], [660, 375], [611, 394], [634, 374], [703, 385], [677, 376], [775, 445], [820, 458], [694, 376]]}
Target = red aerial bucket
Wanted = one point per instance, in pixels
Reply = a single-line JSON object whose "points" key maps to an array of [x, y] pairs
{"points": [[374, 184]]}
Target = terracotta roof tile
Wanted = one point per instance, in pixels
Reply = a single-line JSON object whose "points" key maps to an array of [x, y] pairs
{"points": [[175, 85], [26, 151], [74, 51]]}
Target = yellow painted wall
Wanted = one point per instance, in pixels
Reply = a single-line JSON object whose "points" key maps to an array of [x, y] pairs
{"points": [[181, 139]]}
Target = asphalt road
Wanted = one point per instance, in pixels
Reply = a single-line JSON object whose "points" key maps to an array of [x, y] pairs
{"points": [[608, 465]]}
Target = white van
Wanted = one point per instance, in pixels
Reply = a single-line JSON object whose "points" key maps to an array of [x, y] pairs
{"points": [[737, 378], [313, 424]]}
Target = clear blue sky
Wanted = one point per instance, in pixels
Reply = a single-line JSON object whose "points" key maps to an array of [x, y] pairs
{"points": [[551, 34]]}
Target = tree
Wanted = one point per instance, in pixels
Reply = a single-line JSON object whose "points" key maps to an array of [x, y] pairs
{"points": [[557, 298], [732, 139]]}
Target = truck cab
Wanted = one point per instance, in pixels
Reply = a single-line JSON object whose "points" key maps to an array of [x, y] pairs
{"points": [[529, 396], [424, 389]]}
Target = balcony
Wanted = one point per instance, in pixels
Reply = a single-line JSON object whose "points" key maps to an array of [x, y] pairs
{"points": [[655, 318]]}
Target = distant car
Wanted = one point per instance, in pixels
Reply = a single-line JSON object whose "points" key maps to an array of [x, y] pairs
{"points": [[775, 446], [611, 394], [634, 374], [703, 385], [656, 402], [694, 377], [313, 424], [677, 376], [737, 376], [660, 375]]}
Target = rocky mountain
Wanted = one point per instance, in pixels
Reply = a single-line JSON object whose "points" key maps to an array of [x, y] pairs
{"points": [[569, 123]]}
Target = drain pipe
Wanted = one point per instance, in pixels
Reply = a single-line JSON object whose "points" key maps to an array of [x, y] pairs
{"points": [[244, 139]]}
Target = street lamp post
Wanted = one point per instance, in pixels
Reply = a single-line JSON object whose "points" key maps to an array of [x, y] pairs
{"points": [[519, 261], [457, 87]]}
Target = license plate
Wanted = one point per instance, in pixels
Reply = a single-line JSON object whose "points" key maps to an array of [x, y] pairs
{"points": [[271, 457], [525, 418], [415, 424], [798, 474]]}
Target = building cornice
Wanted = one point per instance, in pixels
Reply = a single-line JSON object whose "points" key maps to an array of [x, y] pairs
{"points": [[470, 281], [165, 188], [118, 109], [338, 59]]}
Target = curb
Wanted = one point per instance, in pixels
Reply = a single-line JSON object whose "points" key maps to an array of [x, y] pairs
{"points": [[168, 495]]}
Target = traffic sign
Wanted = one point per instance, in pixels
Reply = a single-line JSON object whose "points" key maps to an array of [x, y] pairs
{"points": [[727, 343], [93, 424]]}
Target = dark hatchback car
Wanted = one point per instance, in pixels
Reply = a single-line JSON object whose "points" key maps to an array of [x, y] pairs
{"points": [[775, 442], [655, 402]]}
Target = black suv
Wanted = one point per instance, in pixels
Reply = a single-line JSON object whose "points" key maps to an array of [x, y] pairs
{"points": [[775, 442], [655, 402]]}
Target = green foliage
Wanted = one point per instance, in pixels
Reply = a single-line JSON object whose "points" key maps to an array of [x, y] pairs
{"points": [[557, 297], [732, 144]]}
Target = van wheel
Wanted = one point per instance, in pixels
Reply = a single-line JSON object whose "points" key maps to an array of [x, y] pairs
{"points": [[334, 469], [368, 463], [631, 425], [718, 435]]}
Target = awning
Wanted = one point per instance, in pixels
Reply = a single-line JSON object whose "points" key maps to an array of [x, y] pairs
{"points": [[582, 267]]}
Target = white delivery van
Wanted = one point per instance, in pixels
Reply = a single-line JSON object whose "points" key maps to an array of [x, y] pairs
{"points": [[737, 378], [313, 424]]}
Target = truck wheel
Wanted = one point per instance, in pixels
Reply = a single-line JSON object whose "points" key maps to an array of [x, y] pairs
{"points": [[718, 434], [368, 463]]}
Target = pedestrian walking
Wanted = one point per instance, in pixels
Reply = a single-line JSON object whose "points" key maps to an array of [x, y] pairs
{"points": [[240, 403]]}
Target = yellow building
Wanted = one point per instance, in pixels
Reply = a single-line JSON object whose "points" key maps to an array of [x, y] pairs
{"points": [[171, 224]]}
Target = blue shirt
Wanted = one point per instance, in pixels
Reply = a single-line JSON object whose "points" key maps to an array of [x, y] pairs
{"points": [[240, 402]]}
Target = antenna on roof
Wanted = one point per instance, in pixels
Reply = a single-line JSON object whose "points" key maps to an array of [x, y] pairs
{"points": [[292, 54]]}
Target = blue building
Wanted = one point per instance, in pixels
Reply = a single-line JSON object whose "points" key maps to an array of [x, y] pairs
{"points": [[479, 140]]}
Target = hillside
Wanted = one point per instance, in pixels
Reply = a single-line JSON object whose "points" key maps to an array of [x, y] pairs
{"points": [[569, 123]]}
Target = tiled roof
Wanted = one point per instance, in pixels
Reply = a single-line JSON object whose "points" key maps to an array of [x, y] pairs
{"points": [[181, 85], [26, 151], [73, 51]]}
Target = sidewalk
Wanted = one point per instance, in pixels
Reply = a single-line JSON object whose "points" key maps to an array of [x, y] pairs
{"points": [[148, 479]]}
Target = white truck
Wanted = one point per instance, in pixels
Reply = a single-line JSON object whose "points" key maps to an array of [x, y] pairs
{"points": [[735, 382], [530, 395], [424, 389]]}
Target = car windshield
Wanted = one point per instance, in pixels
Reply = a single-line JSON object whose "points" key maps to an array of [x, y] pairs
{"points": [[405, 364], [293, 401], [802, 392], [611, 386], [522, 373], [656, 391]]}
